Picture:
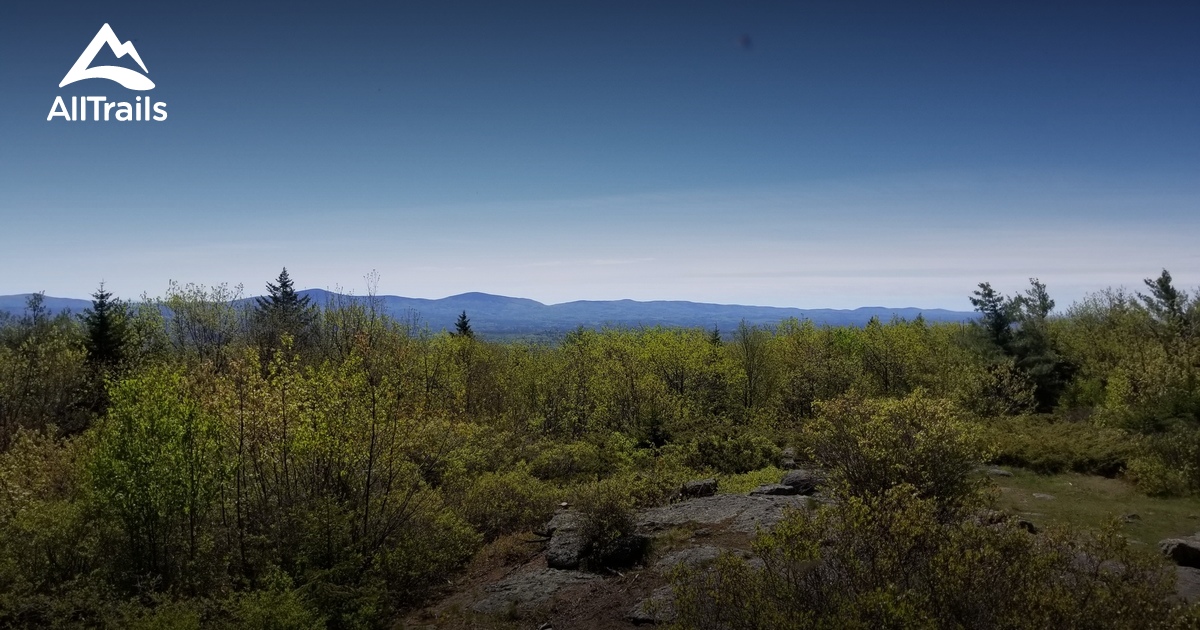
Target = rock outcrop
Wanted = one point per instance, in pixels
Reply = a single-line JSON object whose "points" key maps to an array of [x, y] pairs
{"points": [[529, 589], [1184, 552], [698, 489], [742, 513], [805, 482], [658, 608], [567, 543], [773, 490]]}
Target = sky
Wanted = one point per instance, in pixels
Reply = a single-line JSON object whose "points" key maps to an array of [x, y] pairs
{"points": [[808, 154]]}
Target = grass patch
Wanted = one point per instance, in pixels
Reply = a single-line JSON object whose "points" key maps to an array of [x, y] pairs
{"points": [[745, 482], [1091, 501]]}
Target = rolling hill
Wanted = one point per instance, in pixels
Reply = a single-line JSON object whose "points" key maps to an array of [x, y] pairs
{"points": [[497, 315]]}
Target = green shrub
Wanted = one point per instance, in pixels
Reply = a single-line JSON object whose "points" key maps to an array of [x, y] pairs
{"points": [[1168, 464], [165, 615], [600, 456], [503, 502], [1050, 446], [870, 446], [745, 482], [275, 607], [607, 508], [890, 561], [731, 455], [1154, 477]]}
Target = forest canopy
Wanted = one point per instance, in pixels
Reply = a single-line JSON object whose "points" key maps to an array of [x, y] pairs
{"points": [[198, 460]]}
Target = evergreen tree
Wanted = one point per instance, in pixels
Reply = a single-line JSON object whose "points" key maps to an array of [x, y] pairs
{"points": [[1168, 305], [1018, 327], [715, 336], [107, 329], [1035, 350], [462, 327], [282, 297], [1036, 303], [996, 315], [282, 311], [1174, 321]]}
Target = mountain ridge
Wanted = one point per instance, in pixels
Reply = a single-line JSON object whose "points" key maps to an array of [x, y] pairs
{"points": [[500, 315]]}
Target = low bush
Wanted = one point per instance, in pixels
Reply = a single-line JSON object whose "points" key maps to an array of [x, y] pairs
{"points": [[890, 561], [602, 455], [745, 482], [870, 446], [607, 508], [731, 455], [504, 502], [1168, 464], [1049, 446]]}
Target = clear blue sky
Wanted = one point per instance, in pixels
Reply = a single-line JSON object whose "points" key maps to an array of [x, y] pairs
{"points": [[813, 154]]}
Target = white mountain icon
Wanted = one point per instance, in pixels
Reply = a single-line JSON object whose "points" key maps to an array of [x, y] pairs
{"points": [[126, 77]]}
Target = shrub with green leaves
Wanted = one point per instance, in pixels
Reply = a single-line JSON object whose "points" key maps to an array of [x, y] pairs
{"points": [[1168, 464], [1050, 445], [871, 446], [733, 454], [607, 508], [503, 502], [600, 455], [891, 561]]}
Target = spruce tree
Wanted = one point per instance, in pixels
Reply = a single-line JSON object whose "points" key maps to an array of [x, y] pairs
{"points": [[282, 310], [462, 327], [282, 298], [107, 331]]}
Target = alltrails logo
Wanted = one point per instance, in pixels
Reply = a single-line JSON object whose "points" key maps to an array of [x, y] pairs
{"points": [[142, 108]]}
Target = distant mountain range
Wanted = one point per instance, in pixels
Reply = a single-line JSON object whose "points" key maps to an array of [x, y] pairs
{"points": [[497, 315]]}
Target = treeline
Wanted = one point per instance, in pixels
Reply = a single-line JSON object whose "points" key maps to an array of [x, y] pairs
{"points": [[187, 460]]}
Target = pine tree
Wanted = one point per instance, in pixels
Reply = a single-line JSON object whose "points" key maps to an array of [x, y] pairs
{"points": [[282, 297], [462, 327], [996, 315], [1167, 305], [1018, 327], [715, 336], [107, 330], [282, 311], [1035, 350]]}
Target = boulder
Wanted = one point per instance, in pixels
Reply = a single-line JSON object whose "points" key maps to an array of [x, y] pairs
{"points": [[773, 489], [698, 488], [805, 482], [998, 472], [989, 518], [996, 518], [567, 543], [1184, 552]]}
